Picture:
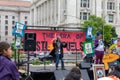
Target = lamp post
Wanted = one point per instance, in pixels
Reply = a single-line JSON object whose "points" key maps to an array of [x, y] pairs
{"points": [[104, 25]]}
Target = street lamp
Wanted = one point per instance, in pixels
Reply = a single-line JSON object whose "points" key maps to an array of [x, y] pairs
{"points": [[104, 24]]}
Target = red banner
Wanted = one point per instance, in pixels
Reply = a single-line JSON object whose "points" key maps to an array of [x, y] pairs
{"points": [[44, 39]]}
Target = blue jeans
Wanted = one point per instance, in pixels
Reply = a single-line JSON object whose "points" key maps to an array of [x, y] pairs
{"points": [[57, 61]]}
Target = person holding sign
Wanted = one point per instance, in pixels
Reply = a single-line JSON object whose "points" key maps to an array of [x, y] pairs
{"points": [[99, 49], [58, 46]]}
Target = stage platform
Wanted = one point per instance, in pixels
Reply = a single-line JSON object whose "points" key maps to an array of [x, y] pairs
{"points": [[48, 72], [48, 68]]}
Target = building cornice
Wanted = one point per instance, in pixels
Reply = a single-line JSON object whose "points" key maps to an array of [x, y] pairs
{"points": [[17, 8]]}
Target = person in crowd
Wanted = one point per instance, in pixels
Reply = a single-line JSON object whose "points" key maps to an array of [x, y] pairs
{"points": [[114, 73], [8, 69], [99, 49], [74, 74], [58, 47], [114, 51]]}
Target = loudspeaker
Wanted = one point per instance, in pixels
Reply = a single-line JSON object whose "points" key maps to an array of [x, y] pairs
{"points": [[30, 42], [85, 65], [60, 74]]}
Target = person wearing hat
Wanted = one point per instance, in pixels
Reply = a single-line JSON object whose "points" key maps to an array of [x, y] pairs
{"points": [[58, 46], [99, 49]]}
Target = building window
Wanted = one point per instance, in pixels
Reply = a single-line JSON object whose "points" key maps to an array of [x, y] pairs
{"points": [[88, 16], [13, 17], [111, 17], [80, 15], [119, 6], [6, 17], [25, 22], [110, 5], [6, 27], [13, 27], [6, 21], [85, 3], [6, 32], [25, 17], [84, 15], [13, 22]]}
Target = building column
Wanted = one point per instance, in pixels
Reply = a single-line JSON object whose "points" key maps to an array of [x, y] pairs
{"points": [[71, 11], [35, 16], [105, 15], [92, 7], [48, 12], [98, 8], [117, 12], [59, 12]]}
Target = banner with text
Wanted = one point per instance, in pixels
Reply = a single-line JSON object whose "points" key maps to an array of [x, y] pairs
{"points": [[45, 38]]}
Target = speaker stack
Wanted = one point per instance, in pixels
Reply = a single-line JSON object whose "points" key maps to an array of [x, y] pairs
{"points": [[29, 45], [30, 42]]}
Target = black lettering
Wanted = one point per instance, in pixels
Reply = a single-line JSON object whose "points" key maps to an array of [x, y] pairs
{"points": [[68, 46], [78, 36], [44, 34], [65, 36], [44, 45], [38, 46], [72, 46], [48, 35], [68, 36], [81, 46]]}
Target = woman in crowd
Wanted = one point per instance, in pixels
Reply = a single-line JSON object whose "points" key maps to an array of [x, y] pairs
{"points": [[8, 69], [99, 49]]}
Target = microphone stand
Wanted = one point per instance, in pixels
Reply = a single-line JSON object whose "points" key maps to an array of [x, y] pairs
{"points": [[44, 55], [76, 55], [28, 76], [44, 62], [76, 52]]}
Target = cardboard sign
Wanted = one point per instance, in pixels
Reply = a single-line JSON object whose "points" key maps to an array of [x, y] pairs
{"points": [[113, 46], [98, 70], [19, 29], [107, 58], [89, 34], [118, 43], [18, 43], [88, 47]]}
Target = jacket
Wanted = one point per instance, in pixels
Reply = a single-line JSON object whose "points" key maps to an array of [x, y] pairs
{"points": [[8, 69]]}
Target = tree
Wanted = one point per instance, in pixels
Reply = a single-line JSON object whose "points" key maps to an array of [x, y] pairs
{"points": [[96, 22], [114, 32], [99, 25], [107, 34]]}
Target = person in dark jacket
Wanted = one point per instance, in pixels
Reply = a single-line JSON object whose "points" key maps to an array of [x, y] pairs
{"points": [[58, 46], [8, 69]]}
